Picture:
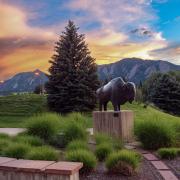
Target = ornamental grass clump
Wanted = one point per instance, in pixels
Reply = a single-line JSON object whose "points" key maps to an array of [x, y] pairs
{"points": [[78, 118], [44, 126], [43, 153], [73, 131], [86, 157], [76, 145], [155, 134], [103, 150], [115, 143], [16, 150], [31, 140], [124, 162], [168, 153], [102, 138]]}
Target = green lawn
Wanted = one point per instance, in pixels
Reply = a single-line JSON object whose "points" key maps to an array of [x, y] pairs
{"points": [[15, 110]]}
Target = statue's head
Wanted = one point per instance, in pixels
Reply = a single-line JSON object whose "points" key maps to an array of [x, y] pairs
{"points": [[130, 90]]}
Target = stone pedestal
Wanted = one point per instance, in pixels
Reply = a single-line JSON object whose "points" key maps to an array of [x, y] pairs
{"points": [[118, 124]]}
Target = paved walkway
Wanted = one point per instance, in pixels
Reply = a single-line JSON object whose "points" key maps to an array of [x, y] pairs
{"points": [[160, 166], [11, 131]]}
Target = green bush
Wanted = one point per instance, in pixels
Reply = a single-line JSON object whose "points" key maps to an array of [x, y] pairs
{"points": [[102, 138], [124, 162], [43, 153], [31, 140], [4, 136], [44, 126], [16, 150], [86, 157], [103, 150], [77, 144], [168, 153], [155, 134], [78, 118], [74, 131]]}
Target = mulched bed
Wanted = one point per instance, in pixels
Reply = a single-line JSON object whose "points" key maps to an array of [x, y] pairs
{"points": [[174, 165], [146, 172]]}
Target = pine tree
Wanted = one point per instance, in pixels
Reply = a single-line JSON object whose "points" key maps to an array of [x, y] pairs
{"points": [[73, 76], [166, 95]]}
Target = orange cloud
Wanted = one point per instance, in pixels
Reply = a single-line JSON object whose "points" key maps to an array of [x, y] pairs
{"points": [[22, 48]]}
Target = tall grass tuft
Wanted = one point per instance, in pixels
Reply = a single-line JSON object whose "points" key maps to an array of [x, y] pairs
{"points": [[16, 150], [31, 140], [124, 162], [43, 153], [168, 153], [44, 126], [77, 144], [86, 157], [103, 150], [73, 131], [155, 134]]}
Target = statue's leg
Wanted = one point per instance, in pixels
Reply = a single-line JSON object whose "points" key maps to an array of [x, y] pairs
{"points": [[115, 105], [105, 106], [100, 106], [119, 107]]}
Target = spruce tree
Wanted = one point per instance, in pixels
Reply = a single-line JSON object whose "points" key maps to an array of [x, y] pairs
{"points": [[166, 94], [73, 76]]}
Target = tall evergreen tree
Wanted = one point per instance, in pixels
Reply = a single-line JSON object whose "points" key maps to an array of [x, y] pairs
{"points": [[167, 94], [73, 76]]}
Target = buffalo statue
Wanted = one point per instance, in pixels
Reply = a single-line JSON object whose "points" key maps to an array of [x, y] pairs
{"points": [[118, 92]]}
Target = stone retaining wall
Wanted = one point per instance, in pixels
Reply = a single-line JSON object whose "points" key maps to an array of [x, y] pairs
{"points": [[13, 169]]}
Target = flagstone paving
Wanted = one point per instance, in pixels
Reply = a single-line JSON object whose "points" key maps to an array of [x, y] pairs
{"points": [[12, 131]]}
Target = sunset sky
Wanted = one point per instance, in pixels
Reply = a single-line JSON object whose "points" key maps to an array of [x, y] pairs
{"points": [[114, 29]]}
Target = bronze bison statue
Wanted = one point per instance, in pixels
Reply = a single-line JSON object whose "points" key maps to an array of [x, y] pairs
{"points": [[118, 92]]}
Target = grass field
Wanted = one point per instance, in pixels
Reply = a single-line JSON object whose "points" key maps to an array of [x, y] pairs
{"points": [[16, 109]]}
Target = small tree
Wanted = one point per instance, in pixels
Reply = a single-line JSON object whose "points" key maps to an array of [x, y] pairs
{"points": [[73, 76]]}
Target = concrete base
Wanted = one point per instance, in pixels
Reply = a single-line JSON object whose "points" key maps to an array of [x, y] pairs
{"points": [[118, 124]]}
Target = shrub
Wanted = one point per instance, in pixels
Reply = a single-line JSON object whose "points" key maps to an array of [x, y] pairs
{"points": [[77, 144], [103, 150], [44, 126], [102, 138], [4, 143], [16, 150], [74, 131], [86, 157], [78, 118], [4, 136], [43, 153], [155, 134], [124, 162], [31, 140], [168, 153]]}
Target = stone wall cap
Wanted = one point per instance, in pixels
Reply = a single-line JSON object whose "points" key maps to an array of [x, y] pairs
{"points": [[65, 168], [6, 159], [122, 111], [26, 165]]}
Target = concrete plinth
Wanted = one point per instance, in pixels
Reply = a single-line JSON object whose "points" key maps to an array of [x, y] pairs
{"points": [[118, 124]]}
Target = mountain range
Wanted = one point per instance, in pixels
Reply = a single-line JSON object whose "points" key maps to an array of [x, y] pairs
{"points": [[23, 82], [132, 69]]}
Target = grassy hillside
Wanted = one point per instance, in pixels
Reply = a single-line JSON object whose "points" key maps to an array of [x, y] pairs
{"points": [[22, 105], [15, 110]]}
